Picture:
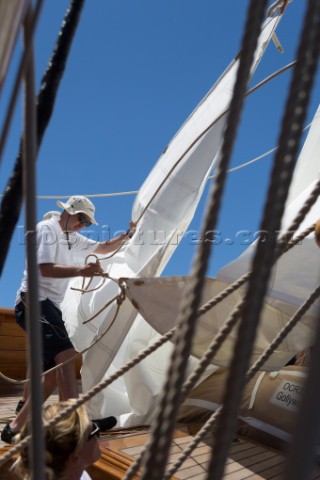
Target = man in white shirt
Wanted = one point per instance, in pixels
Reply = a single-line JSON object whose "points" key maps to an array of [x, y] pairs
{"points": [[59, 246]]}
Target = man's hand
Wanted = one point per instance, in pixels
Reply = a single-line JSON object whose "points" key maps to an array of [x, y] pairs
{"points": [[91, 269], [132, 229]]}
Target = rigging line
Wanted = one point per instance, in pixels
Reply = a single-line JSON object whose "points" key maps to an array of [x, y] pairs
{"points": [[134, 192], [286, 242], [18, 79], [204, 309], [119, 299], [285, 245], [101, 310], [188, 385], [291, 129], [134, 361], [251, 372], [12, 200], [284, 332], [105, 276], [243, 165], [28, 160], [230, 323], [162, 429], [164, 338], [149, 350], [86, 289], [279, 250], [247, 93], [13, 380], [83, 398]]}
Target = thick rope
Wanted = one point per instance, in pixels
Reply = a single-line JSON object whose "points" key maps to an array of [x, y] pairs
{"points": [[119, 299], [96, 389], [284, 333], [295, 113], [206, 360], [100, 311], [168, 405], [284, 244], [204, 309], [249, 92], [90, 290], [218, 298], [253, 370], [85, 288], [226, 328], [12, 198], [134, 192], [18, 80], [146, 352], [303, 454], [169, 335]]}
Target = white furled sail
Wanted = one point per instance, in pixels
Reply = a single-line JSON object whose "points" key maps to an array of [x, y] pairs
{"points": [[295, 277], [11, 19], [164, 207]]}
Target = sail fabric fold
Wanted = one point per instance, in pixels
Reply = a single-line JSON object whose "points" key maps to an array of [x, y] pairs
{"points": [[164, 206], [295, 276]]}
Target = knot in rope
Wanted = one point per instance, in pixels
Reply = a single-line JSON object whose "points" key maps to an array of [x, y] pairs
{"points": [[122, 295]]}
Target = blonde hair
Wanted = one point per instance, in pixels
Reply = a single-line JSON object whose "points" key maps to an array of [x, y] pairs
{"points": [[62, 439]]}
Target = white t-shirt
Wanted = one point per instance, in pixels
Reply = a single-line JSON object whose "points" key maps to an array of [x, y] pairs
{"points": [[54, 247], [85, 476]]}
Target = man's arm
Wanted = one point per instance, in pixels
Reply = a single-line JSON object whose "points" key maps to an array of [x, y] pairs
{"points": [[111, 245], [54, 270]]}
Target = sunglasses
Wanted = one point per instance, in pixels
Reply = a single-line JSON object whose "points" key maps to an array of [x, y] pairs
{"points": [[95, 432], [82, 219]]}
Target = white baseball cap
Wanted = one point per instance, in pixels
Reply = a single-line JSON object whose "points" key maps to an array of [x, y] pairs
{"points": [[79, 204]]}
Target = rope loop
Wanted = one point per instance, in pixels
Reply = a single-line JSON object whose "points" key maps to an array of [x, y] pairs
{"points": [[122, 295]]}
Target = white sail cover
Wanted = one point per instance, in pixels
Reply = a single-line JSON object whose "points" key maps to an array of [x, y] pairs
{"points": [[167, 201], [294, 278]]}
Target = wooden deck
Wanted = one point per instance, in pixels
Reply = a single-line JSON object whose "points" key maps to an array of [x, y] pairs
{"points": [[247, 459]]}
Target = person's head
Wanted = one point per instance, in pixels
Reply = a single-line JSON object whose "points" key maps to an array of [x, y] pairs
{"points": [[80, 211], [70, 444]]}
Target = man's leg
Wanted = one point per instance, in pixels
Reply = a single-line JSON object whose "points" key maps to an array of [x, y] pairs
{"points": [[49, 385], [25, 395], [66, 375]]}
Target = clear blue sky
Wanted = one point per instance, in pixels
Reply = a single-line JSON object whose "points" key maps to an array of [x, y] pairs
{"points": [[136, 70]]}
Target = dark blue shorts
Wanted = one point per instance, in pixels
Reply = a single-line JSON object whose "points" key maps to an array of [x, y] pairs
{"points": [[54, 334]]}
